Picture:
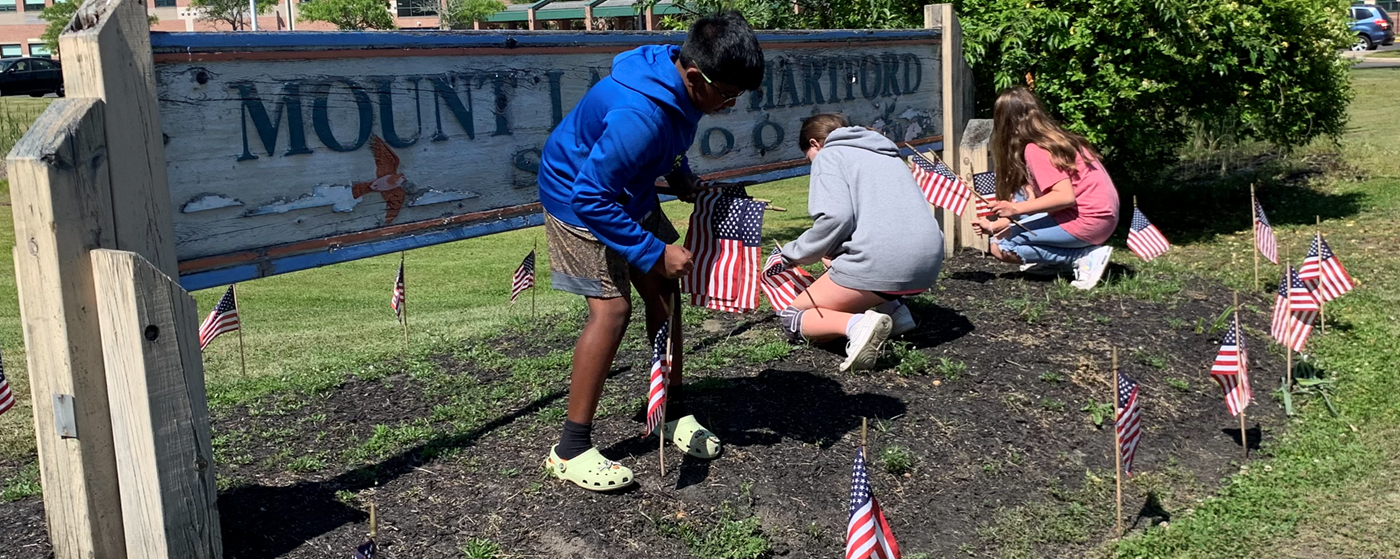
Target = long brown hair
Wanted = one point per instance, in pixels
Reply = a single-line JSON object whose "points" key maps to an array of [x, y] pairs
{"points": [[1019, 119]]}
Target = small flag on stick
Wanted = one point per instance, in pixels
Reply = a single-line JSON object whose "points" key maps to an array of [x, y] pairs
{"points": [[1302, 308], [7, 398], [1324, 273], [1144, 239], [868, 535], [660, 371], [397, 300], [1264, 235], [725, 239], [224, 318], [1231, 371], [782, 283], [986, 186], [524, 277], [1128, 424], [940, 184]]}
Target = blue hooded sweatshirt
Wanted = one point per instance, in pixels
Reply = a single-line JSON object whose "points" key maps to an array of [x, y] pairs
{"points": [[598, 169]]}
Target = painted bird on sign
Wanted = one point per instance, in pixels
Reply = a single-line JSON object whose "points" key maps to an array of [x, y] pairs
{"points": [[390, 181]]}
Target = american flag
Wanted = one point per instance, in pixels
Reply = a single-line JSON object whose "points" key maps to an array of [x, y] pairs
{"points": [[781, 283], [724, 239], [365, 551], [660, 369], [1264, 235], [1129, 421], [1302, 310], [941, 185], [1144, 239], [7, 399], [986, 185], [224, 318], [868, 535], [1278, 327], [396, 302], [1231, 371], [1323, 271], [524, 277]]}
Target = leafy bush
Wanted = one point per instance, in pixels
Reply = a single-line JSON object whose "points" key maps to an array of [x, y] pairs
{"points": [[1138, 77]]}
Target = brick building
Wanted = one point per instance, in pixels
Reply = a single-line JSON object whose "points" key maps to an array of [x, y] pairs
{"points": [[20, 26]]}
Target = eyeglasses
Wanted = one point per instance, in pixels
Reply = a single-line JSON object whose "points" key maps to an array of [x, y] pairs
{"points": [[727, 97]]}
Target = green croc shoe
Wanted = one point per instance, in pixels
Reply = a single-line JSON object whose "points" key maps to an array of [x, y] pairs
{"points": [[690, 436], [590, 471]]}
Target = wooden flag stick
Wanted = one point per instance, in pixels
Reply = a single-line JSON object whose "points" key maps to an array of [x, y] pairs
{"points": [[862, 432], [534, 251], [403, 303], [672, 309], [242, 361], [373, 523], [1287, 269], [1117, 443], [973, 190], [1321, 306], [1239, 337], [1254, 223]]}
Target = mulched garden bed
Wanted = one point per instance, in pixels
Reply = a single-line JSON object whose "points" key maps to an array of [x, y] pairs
{"points": [[990, 416]]}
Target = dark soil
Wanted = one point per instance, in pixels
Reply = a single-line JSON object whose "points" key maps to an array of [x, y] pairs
{"points": [[1007, 431]]}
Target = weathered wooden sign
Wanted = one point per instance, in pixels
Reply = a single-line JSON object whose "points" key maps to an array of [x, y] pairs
{"points": [[292, 150]]}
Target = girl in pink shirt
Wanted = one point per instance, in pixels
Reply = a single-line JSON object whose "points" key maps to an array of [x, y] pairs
{"points": [[1052, 181]]}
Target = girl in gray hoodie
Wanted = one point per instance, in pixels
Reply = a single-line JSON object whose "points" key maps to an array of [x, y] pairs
{"points": [[874, 230]]}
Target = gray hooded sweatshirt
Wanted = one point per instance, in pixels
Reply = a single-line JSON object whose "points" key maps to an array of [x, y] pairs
{"points": [[869, 216]]}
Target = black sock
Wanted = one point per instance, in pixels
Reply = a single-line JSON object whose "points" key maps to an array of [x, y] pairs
{"points": [[675, 405], [576, 439]]}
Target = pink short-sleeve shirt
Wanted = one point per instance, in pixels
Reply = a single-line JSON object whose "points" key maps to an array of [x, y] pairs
{"points": [[1095, 213]]}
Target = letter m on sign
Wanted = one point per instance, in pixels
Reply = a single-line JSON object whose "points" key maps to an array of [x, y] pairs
{"points": [[267, 127]]}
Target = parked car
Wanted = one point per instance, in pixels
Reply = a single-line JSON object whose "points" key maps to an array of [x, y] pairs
{"points": [[1372, 27], [33, 76]]}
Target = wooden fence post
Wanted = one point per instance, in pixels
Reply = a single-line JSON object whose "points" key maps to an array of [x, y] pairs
{"points": [[89, 174], [107, 56], [62, 202], [976, 158], [956, 94], [160, 417]]}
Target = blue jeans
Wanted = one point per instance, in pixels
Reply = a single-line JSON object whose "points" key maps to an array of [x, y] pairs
{"points": [[1051, 245]]}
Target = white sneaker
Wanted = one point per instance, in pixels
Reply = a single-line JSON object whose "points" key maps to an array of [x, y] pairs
{"points": [[866, 337], [903, 320], [1089, 269]]}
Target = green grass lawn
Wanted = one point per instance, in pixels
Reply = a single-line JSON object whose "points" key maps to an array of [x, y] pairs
{"points": [[1329, 488]]}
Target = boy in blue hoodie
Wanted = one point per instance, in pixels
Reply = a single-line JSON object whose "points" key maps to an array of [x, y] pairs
{"points": [[605, 228]]}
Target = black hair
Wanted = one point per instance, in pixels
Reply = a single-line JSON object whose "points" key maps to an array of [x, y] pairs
{"points": [[723, 46]]}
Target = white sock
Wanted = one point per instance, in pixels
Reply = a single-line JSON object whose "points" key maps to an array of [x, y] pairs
{"points": [[888, 307], [852, 323]]}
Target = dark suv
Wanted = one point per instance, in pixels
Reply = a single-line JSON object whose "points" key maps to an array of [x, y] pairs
{"points": [[1372, 27], [32, 76]]}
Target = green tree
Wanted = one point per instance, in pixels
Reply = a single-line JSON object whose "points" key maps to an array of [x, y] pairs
{"points": [[349, 14], [462, 13], [56, 18], [1138, 77], [232, 12]]}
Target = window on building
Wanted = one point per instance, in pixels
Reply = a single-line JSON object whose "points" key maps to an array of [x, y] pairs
{"points": [[33, 5], [8, 5], [417, 8], [11, 51], [40, 50], [165, 3]]}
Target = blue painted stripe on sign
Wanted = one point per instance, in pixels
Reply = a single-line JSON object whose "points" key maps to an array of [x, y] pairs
{"points": [[181, 42], [245, 272]]}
